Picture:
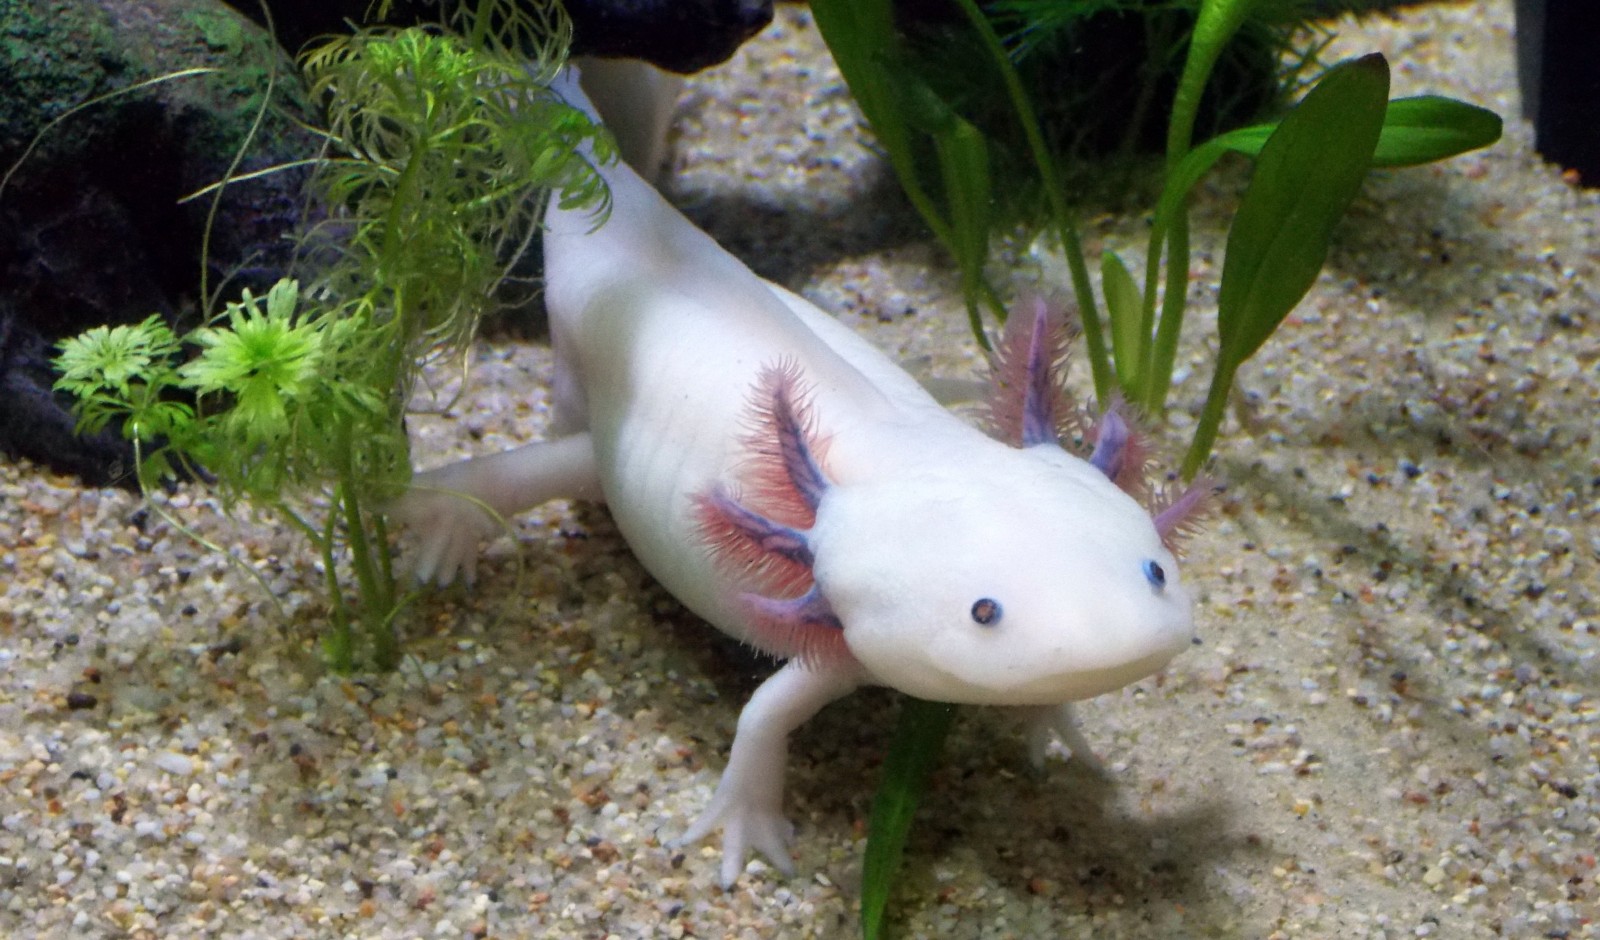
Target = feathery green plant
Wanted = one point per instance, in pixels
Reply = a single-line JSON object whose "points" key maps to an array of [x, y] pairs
{"points": [[1308, 168], [442, 142]]}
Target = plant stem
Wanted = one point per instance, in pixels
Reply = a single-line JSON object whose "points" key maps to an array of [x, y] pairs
{"points": [[377, 593], [399, 205], [1174, 297], [1218, 20], [385, 640], [380, 533], [1214, 27], [338, 645], [1205, 432]]}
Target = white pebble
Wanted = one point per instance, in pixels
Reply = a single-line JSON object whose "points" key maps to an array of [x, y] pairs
{"points": [[179, 765]]}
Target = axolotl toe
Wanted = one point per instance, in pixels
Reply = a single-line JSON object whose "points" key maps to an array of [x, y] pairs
{"points": [[790, 484]]}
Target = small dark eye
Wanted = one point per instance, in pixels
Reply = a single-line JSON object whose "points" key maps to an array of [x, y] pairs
{"points": [[1155, 574], [986, 611]]}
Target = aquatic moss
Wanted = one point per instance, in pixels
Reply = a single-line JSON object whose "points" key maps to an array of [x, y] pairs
{"points": [[58, 54], [53, 55]]}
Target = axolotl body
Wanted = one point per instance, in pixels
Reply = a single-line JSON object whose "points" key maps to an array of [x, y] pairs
{"points": [[789, 483]]}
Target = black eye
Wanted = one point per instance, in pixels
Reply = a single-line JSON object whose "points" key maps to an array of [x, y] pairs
{"points": [[986, 611], [1155, 574]]}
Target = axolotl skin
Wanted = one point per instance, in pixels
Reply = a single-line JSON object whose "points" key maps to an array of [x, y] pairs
{"points": [[790, 484]]}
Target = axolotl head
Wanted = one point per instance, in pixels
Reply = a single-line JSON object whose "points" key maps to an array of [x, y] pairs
{"points": [[1010, 577], [968, 571]]}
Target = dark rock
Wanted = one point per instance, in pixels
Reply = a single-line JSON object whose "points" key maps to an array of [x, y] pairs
{"points": [[92, 230], [93, 226], [678, 35], [1560, 79]]}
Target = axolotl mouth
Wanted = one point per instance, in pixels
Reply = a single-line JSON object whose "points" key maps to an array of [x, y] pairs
{"points": [[1025, 683]]}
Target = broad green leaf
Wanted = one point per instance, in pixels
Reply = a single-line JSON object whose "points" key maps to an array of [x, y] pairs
{"points": [[1430, 127], [1125, 307], [918, 739], [1415, 131], [1306, 175]]}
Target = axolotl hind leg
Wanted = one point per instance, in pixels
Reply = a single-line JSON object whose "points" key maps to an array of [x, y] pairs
{"points": [[451, 509]]}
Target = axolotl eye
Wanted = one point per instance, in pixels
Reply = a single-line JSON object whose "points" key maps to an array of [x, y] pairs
{"points": [[986, 611], [1155, 574]]}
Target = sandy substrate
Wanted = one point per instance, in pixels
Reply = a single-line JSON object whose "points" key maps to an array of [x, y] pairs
{"points": [[1390, 729]]}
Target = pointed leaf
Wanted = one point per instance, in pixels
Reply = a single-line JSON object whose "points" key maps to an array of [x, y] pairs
{"points": [[918, 739], [1430, 127], [1306, 176], [1415, 131], [1125, 307]]}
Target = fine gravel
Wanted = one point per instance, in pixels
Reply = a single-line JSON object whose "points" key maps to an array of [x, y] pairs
{"points": [[1389, 730]]}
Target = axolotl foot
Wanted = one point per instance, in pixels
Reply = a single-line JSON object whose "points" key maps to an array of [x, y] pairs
{"points": [[1047, 721], [446, 524], [748, 804], [452, 509], [751, 816]]}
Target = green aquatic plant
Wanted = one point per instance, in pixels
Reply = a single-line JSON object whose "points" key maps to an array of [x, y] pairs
{"points": [[442, 142], [1098, 73], [1308, 168], [258, 402], [1092, 68]]}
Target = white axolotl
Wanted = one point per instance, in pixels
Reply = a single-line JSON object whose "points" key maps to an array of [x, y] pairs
{"points": [[789, 483]]}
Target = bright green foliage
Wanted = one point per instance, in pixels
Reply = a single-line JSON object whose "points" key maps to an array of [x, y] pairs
{"points": [[919, 736], [442, 146], [271, 368], [1306, 175], [273, 390], [112, 362], [123, 372], [442, 142]]}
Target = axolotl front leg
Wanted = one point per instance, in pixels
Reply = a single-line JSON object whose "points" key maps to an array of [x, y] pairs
{"points": [[768, 564], [453, 508], [748, 803]]}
